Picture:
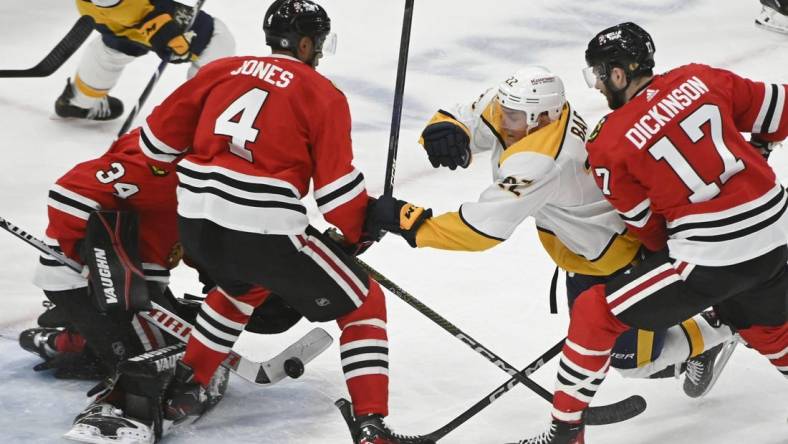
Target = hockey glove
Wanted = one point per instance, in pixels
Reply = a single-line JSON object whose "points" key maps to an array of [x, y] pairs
{"points": [[348, 248], [763, 147], [447, 145], [167, 38], [396, 216]]}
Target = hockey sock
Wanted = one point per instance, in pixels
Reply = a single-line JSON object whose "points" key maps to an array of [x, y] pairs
{"points": [[364, 351], [771, 342], [67, 342], [220, 321], [585, 358]]}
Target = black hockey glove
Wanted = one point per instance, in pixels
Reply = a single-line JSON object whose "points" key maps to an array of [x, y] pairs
{"points": [[763, 147], [396, 216], [167, 38], [447, 145], [348, 248]]}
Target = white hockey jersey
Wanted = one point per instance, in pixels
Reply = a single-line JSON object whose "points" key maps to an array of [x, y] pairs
{"points": [[543, 175]]}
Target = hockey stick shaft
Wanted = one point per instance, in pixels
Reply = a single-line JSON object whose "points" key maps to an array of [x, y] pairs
{"points": [[39, 245], [399, 92], [154, 79], [495, 394], [598, 415], [64, 49]]}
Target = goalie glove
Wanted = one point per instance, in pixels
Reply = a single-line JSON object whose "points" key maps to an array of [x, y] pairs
{"points": [[396, 216]]}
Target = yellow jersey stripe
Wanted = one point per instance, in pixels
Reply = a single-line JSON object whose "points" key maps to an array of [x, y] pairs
{"points": [[619, 253], [645, 347], [449, 231], [694, 336]]}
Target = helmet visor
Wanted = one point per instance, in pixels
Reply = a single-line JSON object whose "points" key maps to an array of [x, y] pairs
{"points": [[593, 73], [326, 43], [514, 121]]}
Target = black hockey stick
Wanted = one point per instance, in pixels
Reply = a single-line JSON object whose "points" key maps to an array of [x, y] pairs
{"points": [[597, 415], [289, 362], [64, 49], [155, 78], [345, 407], [399, 92]]}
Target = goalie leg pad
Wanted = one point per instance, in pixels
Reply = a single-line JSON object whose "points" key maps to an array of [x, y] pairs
{"points": [[111, 252]]}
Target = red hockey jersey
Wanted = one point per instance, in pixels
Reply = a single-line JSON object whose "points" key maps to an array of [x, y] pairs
{"points": [[123, 179], [255, 131], [674, 164]]}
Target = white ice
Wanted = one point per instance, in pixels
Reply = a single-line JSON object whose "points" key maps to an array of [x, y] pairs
{"points": [[458, 49]]}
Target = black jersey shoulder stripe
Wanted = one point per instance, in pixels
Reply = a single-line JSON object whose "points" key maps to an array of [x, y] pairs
{"points": [[235, 183], [241, 201]]}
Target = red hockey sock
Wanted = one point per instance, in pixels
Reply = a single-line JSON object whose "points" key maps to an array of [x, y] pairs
{"points": [[585, 357], [364, 351], [67, 342], [771, 342], [220, 321]]}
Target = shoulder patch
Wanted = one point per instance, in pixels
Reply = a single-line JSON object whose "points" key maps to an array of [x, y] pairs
{"points": [[156, 171], [597, 129]]}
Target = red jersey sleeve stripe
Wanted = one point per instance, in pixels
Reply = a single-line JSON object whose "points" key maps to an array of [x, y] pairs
{"points": [[770, 114], [340, 191], [155, 148]]}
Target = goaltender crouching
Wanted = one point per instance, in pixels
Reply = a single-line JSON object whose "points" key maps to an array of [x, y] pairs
{"points": [[116, 214]]}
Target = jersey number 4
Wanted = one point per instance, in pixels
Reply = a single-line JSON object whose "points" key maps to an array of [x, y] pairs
{"points": [[692, 126], [237, 121]]}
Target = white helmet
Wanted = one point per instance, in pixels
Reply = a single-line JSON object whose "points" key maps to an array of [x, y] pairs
{"points": [[533, 90]]}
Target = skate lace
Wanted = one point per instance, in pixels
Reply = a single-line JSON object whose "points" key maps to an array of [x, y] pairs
{"points": [[695, 370], [100, 109], [545, 438]]}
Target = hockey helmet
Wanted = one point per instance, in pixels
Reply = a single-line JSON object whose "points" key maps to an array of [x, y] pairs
{"points": [[626, 46], [533, 90], [287, 21]]}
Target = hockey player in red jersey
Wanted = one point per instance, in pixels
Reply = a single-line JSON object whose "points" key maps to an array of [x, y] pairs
{"points": [[253, 133], [672, 161]]}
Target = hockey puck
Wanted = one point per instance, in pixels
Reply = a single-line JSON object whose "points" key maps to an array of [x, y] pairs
{"points": [[294, 368]]}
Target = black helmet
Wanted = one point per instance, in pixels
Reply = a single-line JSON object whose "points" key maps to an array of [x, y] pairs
{"points": [[286, 21], [626, 46]]}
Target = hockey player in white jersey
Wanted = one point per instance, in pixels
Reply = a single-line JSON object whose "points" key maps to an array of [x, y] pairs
{"points": [[773, 16], [539, 170]]}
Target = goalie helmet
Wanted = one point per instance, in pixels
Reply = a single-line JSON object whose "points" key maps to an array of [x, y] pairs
{"points": [[287, 21], [533, 90]]}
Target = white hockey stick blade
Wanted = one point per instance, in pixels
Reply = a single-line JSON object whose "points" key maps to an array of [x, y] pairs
{"points": [[286, 363], [722, 361], [292, 360]]}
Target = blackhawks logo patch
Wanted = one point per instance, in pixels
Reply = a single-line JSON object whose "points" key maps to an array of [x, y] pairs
{"points": [[597, 128], [158, 172]]}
